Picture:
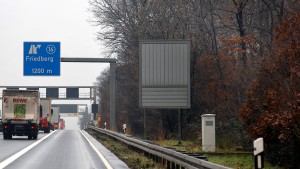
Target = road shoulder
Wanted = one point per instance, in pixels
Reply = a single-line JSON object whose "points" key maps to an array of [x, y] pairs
{"points": [[112, 159]]}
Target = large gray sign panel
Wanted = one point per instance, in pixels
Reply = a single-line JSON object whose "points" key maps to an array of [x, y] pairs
{"points": [[164, 74], [67, 108], [52, 92], [72, 92]]}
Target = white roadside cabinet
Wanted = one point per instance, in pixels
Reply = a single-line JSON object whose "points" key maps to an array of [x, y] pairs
{"points": [[208, 133]]}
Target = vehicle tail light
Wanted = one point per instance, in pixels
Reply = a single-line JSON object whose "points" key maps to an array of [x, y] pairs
{"points": [[6, 126]]}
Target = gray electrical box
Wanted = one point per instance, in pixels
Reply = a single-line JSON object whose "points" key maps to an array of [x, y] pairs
{"points": [[208, 133]]}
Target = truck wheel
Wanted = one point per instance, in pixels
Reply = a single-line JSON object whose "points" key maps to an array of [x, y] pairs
{"points": [[34, 137], [47, 130], [29, 137], [5, 136]]}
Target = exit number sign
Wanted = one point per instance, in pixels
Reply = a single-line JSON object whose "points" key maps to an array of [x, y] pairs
{"points": [[41, 59]]}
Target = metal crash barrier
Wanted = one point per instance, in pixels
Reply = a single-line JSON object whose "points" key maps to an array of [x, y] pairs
{"points": [[169, 158]]}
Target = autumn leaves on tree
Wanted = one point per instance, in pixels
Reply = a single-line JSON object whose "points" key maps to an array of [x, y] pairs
{"points": [[272, 110], [244, 67]]}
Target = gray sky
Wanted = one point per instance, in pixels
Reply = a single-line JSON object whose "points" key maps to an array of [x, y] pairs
{"points": [[65, 21]]}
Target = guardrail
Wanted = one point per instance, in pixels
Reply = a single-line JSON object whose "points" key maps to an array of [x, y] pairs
{"points": [[168, 157]]}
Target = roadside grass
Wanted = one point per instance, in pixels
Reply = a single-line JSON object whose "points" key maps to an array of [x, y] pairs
{"points": [[225, 157], [133, 159], [137, 160], [188, 146], [232, 160]]}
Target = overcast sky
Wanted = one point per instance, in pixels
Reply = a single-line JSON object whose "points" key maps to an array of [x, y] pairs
{"points": [[64, 21]]}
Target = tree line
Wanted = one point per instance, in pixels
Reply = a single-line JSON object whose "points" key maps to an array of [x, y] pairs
{"points": [[244, 68]]}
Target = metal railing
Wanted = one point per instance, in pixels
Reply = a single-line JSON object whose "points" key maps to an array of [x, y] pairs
{"points": [[168, 157], [64, 96]]}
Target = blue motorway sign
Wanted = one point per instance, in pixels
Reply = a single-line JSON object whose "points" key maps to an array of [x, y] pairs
{"points": [[41, 59]]}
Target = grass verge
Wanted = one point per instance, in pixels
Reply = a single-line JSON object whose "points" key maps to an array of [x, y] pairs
{"points": [[228, 158], [133, 159]]}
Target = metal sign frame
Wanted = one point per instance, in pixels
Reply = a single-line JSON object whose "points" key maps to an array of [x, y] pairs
{"points": [[112, 64]]}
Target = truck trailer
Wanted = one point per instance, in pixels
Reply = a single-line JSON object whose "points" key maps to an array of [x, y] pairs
{"points": [[55, 117], [45, 116], [20, 113]]}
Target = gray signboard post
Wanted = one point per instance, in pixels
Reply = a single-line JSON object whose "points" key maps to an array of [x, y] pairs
{"points": [[164, 75]]}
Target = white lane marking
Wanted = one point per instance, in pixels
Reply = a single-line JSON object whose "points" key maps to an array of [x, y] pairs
{"points": [[20, 153], [108, 166]]}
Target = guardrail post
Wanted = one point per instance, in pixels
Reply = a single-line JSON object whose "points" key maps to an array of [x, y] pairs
{"points": [[164, 163], [168, 164], [159, 159], [173, 165]]}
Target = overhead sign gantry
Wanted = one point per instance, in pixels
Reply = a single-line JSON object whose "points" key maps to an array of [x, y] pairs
{"points": [[112, 62]]}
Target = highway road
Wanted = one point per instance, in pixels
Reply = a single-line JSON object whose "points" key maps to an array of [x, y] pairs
{"points": [[67, 149]]}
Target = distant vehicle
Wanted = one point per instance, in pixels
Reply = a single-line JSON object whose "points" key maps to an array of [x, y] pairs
{"points": [[1, 129], [45, 115], [52, 124], [61, 124], [55, 117], [20, 113]]}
